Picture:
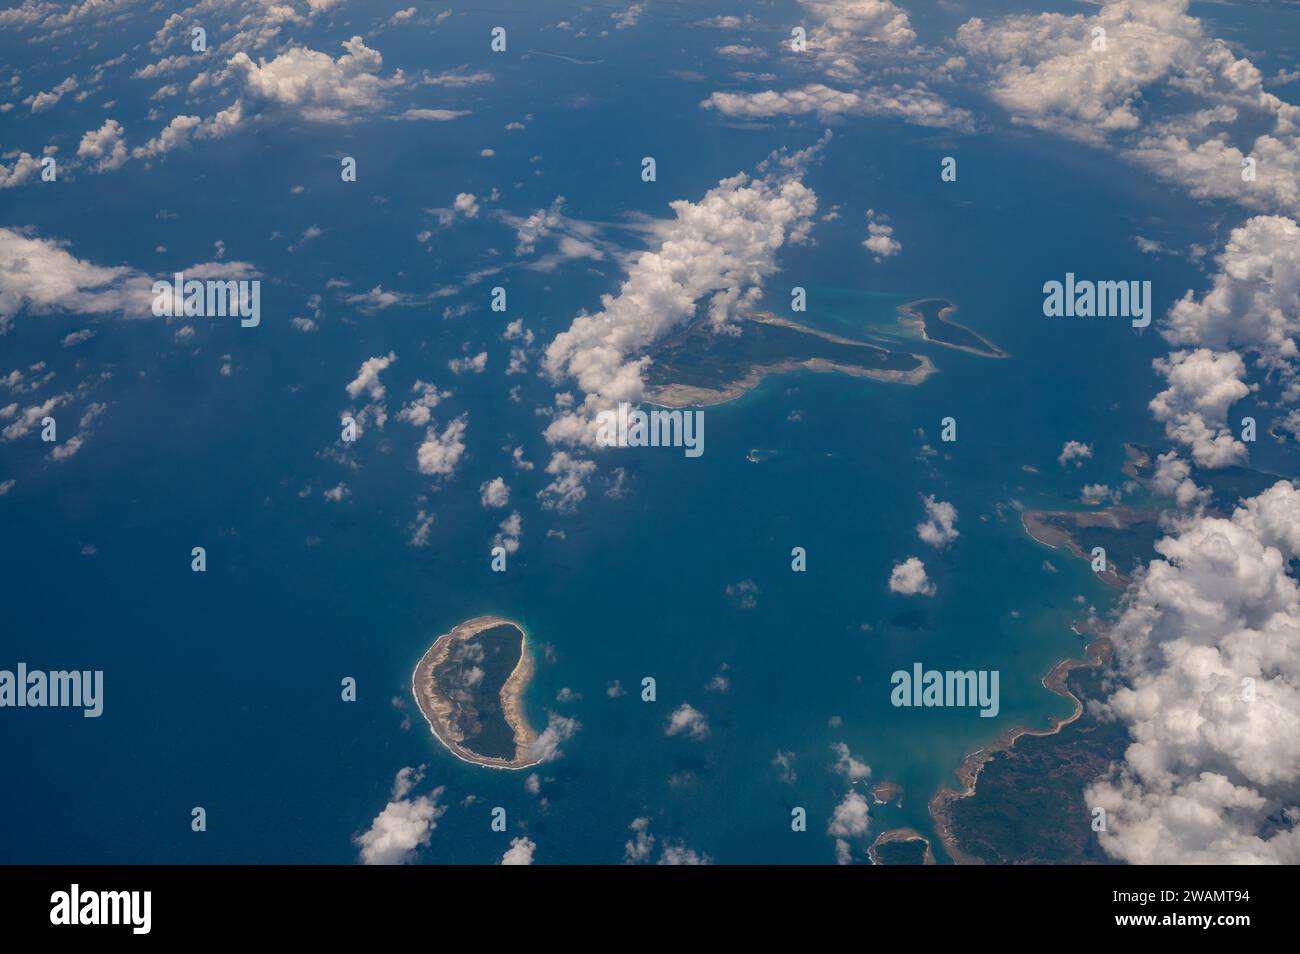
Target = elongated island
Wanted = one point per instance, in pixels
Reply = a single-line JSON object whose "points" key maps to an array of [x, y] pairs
{"points": [[470, 686]]}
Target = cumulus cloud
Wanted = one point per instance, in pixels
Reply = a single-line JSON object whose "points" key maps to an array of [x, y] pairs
{"points": [[367, 379], [509, 533], [1074, 452], [42, 277], [568, 486], [105, 147], [1208, 648], [909, 579], [689, 721], [848, 766], [25, 166], [464, 206], [715, 255], [880, 239], [850, 819], [1047, 70], [494, 492], [48, 99], [419, 410], [475, 364], [851, 43], [939, 528], [1203, 384], [520, 852], [404, 825], [640, 848], [313, 84], [559, 729], [1253, 304], [440, 453], [1173, 478], [642, 844], [681, 855]]}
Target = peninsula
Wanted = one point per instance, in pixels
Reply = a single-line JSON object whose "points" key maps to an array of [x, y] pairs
{"points": [[929, 316], [700, 366], [470, 686]]}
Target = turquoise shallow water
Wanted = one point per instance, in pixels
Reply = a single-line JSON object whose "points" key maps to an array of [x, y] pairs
{"points": [[223, 690]]}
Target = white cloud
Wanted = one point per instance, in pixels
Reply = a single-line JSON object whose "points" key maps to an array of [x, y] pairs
{"points": [[1253, 304], [24, 167], [629, 16], [509, 533], [939, 528], [847, 766], [559, 729], [880, 239], [568, 487], [851, 818], [520, 852], [716, 253], [420, 529], [689, 720], [469, 365], [909, 579], [1075, 452], [1213, 771], [105, 146], [314, 85], [404, 825], [439, 454], [494, 492], [741, 52], [681, 855], [1203, 384], [47, 100], [418, 411], [367, 379], [917, 104], [642, 845], [1173, 478], [40, 275], [432, 115], [1044, 70]]}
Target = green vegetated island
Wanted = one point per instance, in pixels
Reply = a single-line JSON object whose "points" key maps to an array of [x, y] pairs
{"points": [[901, 846], [701, 366], [470, 686], [1129, 534], [1020, 798]]}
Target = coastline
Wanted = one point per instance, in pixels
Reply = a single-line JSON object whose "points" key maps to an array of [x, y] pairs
{"points": [[913, 318], [686, 395], [896, 835], [1034, 523], [1097, 653], [436, 710]]}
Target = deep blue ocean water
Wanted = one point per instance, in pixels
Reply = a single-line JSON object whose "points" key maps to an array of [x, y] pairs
{"points": [[222, 689]]}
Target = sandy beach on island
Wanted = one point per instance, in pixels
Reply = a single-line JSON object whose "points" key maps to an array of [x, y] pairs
{"points": [[437, 710], [1097, 654]]}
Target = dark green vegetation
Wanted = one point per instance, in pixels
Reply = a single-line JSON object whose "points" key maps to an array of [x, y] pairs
{"points": [[910, 852], [1127, 547], [699, 357], [1028, 805], [471, 678]]}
